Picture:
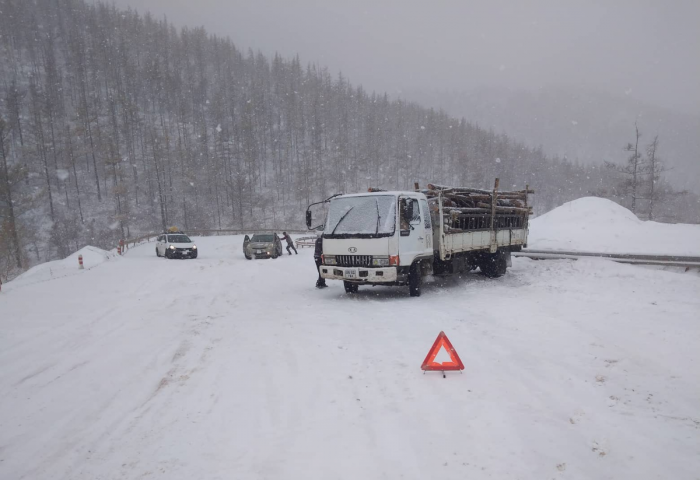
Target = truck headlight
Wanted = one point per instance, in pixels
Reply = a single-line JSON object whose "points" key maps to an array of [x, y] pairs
{"points": [[380, 262], [329, 260]]}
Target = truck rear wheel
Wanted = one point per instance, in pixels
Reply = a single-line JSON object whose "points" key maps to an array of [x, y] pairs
{"points": [[351, 287], [494, 265], [415, 280]]}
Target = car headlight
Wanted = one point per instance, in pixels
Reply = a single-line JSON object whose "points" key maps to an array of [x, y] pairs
{"points": [[329, 260], [380, 262], [194, 247], [172, 247]]}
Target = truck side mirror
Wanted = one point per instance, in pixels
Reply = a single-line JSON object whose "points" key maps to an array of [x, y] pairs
{"points": [[308, 219]]}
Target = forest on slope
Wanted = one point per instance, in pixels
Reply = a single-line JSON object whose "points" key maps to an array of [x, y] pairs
{"points": [[114, 124]]}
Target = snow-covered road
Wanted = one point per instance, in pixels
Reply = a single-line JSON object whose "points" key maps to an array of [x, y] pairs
{"points": [[222, 368]]}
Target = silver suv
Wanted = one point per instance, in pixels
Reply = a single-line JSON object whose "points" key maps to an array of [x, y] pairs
{"points": [[264, 245]]}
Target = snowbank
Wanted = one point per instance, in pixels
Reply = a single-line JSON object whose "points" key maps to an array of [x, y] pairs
{"points": [[594, 224], [92, 257], [221, 367]]}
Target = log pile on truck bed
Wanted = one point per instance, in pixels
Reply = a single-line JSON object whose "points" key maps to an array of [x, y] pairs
{"points": [[474, 209]]}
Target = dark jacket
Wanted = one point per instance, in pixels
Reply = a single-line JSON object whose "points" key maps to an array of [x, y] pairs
{"points": [[288, 239], [318, 249]]}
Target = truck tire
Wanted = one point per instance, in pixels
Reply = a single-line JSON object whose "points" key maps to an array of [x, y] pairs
{"points": [[415, 280], [494, 265], [157, 254], [351, 287]]}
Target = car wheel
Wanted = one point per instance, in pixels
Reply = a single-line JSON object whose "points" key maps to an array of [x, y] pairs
{"points": [[157, 253]]}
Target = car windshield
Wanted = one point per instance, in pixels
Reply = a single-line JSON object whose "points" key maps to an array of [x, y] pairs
{"points": [[179, 239], [366, 215], [262, 238]]}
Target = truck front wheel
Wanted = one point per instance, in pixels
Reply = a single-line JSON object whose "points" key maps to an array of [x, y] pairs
{"points": [[415, 280], [351, 287]]}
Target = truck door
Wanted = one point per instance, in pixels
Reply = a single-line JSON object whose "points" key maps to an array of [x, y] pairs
{"points": [[427, 223], [412, 235]]}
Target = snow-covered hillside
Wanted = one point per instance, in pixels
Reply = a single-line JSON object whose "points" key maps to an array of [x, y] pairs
{"points": [[221, 367], [92, 257], [593, 224]]}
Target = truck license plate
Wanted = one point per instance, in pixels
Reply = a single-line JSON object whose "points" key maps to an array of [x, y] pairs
{"points": [[350, 273]]}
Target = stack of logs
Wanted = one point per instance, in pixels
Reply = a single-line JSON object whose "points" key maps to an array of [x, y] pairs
{"points": [[475, 201]]}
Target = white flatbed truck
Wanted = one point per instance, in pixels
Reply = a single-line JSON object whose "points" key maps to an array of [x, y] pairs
{"points": [[397, 238]]}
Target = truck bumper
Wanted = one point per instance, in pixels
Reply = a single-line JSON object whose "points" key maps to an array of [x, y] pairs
{"points": [[361, 275]]}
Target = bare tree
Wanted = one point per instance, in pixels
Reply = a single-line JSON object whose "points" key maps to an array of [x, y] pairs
{"points": [[7, 207], [655, 168], [659, 192], [633, 171]]}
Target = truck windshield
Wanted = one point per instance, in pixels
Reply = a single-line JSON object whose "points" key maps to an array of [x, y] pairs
{"points": [[372, 215]]}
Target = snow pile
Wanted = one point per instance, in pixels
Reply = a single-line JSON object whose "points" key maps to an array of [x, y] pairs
{"points": [[92, 257], [593, 224]]}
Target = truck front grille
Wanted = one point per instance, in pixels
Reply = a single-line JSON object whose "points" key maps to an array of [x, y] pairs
{"points": [[354, 260]]}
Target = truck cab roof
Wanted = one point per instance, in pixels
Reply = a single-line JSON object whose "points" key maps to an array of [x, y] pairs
{"points": [[393, 193]]}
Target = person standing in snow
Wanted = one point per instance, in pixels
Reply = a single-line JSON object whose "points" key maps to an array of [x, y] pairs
{"points": [[290, 243], [318, 252]]}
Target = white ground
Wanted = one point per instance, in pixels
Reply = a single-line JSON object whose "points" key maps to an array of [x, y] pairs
{"points": [[594, 224], [223, 368]]}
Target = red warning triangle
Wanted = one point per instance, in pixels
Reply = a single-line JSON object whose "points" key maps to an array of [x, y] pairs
{"points": [[455, 362]]}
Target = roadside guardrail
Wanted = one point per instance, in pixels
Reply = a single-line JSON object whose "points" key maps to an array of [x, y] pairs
{"points": [[663, 260]]}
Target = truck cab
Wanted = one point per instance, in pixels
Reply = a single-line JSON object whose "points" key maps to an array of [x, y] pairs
{"points": [[378, 238]]}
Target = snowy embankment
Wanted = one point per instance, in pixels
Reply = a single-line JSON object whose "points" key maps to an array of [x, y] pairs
{"points": [[92, 257], [221, 367], [599, 225]]}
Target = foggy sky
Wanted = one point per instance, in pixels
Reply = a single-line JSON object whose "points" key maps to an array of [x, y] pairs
{"points": [[649, 50]]}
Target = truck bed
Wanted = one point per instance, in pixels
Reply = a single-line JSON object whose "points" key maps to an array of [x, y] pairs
{"points": [[473, 220], [479, 240]]}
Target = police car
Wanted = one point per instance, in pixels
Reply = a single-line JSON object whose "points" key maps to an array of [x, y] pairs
{"points": [[175, 244]]}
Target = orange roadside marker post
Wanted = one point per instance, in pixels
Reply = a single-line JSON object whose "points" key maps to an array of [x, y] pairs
{"points": [[455, 363]]}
